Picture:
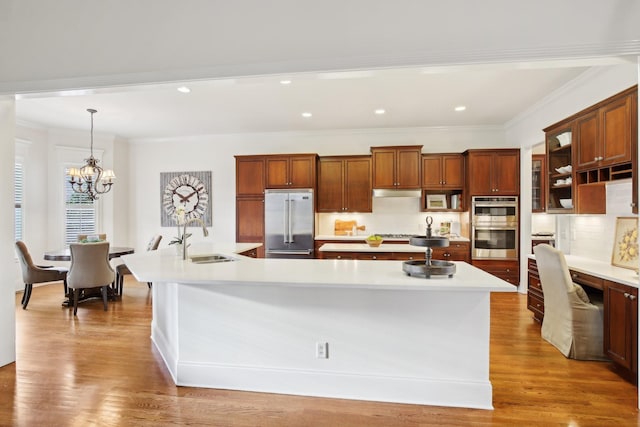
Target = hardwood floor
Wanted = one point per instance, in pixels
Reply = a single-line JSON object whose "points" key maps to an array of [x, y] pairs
{"points": [[101, 369]]}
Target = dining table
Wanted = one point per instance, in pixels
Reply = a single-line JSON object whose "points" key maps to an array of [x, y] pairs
{"points": [[65, 255]]}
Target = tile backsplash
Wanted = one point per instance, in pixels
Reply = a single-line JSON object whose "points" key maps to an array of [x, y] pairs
{"points": [[591, 236], [390, 215]]}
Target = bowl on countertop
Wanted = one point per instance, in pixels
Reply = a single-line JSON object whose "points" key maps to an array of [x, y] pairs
{"points": [[374, 243]]}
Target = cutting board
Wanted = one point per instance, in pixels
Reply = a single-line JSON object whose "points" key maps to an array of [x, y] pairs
{"points": [[345, 228]]}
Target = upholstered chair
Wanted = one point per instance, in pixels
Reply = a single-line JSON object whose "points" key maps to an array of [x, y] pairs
{"points": [[122, 269], [573, 321], [32, 273], [90, 268]]}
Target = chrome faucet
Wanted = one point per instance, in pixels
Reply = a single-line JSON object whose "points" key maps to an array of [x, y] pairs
{"points": [[185, 235]]}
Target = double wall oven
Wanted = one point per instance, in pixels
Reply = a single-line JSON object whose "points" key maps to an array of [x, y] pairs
{"points": [[494, 227]]}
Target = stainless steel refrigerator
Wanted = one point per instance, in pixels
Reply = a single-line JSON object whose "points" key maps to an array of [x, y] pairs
{"points": [[289, 223]]}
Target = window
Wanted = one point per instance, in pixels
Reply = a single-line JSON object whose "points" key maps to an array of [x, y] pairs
{"points": [[18, 189], [80, 214]]}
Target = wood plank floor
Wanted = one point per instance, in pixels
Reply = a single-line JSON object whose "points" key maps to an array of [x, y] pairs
{"points": [[101, 369]]}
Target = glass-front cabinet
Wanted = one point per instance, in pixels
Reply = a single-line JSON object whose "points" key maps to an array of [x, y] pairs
{"points": [[560, 197], [538, 182]]}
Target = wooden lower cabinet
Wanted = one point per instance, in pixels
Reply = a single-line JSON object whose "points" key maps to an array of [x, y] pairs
{"points": [[507, 270], [252, 253], [250, 221], [459, 251], [621, 324], [535, 299]]}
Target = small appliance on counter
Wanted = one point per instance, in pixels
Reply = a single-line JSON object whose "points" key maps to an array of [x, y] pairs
{"points": [[429, 267]]}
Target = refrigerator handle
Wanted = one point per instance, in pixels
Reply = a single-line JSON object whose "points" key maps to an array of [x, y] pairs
{"points": [[285, 235], [289, 222]]}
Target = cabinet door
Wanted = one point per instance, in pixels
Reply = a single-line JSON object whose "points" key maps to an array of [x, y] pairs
{"points": [[587, 151], [277, 172], [452, 171], [302, 172], [538, 182], [357, 185], [432, 172], [408, 168], [250, 219], [480, 180], [249, 176], [506, 173], [384, 165], [330, 185], [615, 132], [620, 324]]}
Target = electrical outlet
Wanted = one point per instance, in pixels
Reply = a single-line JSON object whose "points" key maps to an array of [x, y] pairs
{"points": [[322, 350]]}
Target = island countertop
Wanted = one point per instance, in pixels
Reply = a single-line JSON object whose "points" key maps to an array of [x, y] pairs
{"points": [[165, 266]]}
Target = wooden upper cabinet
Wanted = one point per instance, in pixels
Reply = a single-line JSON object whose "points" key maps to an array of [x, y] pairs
{"points": [[250, 177], [604, 134], [291, 171], [493, 172], [344, 184], [397, 167], [442, 171]]}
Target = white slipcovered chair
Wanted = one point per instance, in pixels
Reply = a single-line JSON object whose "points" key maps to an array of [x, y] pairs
{"points": [[572, 322]]}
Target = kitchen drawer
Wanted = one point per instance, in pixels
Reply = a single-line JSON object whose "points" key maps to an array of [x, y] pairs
{"points": [[408, 256], [374, 256], [532, 266], [507, 270], [534, 282], [337, 255], [536, 304], [587, 279]]}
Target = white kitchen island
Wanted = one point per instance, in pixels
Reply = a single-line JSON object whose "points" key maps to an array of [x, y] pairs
{"points": [[255, 324]]}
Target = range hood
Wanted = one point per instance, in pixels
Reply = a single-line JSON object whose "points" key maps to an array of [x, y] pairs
{"points": [[386, 192]]}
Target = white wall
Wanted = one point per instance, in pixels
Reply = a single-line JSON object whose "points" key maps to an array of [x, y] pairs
{"points": [[216, 153], [7, 254]]}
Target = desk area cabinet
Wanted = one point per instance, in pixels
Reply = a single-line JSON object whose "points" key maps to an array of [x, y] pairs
{"points": [[620, 313]]}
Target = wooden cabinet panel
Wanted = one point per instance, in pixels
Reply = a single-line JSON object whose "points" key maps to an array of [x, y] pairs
{"points": [[249, 175], [493, 172], [538, 182], [615, 131], [344, 184], [277, 172], [458, 251], [250, 220], [621, 324], [441, 171], [330, 185], [397, 167], [587, 141], [357, 184], [290, 171]]}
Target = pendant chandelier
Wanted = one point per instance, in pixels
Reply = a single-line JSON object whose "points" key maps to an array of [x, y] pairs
{"points": [[91, 179]]}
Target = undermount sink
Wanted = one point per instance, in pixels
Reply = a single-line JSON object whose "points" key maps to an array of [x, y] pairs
{"points": [[210, 259]]}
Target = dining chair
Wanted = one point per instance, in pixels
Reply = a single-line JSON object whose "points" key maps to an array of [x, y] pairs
{"points": [[82, 237], [122, 269], [573, 321], [32, 273], [90, 268]]}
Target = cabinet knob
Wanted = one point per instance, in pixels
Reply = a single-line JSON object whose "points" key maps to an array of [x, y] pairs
{"points": [[410, 258], [338, 257], [374, 257], [633, 205], [626, 295], [632, 297]]}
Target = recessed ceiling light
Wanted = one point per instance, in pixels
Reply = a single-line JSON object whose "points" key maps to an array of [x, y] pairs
{"points": [[460, 108], [184, 89], [306, 115], [380, 111], [285, 82]]}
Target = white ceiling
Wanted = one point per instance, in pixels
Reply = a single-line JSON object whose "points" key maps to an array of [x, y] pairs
{"points": [[411, 97]]}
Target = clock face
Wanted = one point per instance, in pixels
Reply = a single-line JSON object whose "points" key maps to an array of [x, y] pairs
{"points": [[188, 191]]}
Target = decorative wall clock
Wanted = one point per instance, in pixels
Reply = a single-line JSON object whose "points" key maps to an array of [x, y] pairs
{"points": [[188, 189]]}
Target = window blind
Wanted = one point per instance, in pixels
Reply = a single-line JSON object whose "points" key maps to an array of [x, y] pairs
{"points": [[80, 214]]}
